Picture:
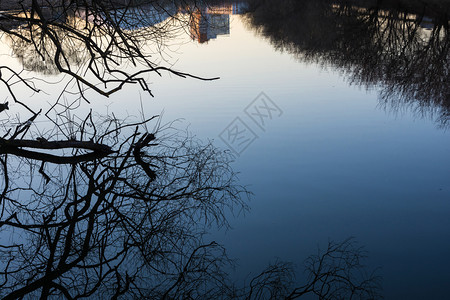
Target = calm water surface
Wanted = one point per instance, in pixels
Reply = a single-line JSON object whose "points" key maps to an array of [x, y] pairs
{"points": [[340, 161], [337, 162]]}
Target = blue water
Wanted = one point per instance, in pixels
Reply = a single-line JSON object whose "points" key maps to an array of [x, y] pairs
{"points": [[332, 164]]}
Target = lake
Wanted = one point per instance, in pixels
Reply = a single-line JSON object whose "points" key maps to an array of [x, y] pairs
{"points": [[337, 116]]}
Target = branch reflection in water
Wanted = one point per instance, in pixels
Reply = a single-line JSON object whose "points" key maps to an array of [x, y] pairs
{"points": [[103, 207], [130, 222]]}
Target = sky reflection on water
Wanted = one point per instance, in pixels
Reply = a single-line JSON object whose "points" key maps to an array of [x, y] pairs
{"points": [[336, 164]]}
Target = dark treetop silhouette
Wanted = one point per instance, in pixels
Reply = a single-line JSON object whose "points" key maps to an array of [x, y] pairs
{"points": [[114, 209]]}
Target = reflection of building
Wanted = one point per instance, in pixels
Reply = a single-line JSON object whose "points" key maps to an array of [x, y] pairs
{"points": [[426, 22], [209, 22], [199, 26], [234, 8], [205, 26], [206, 21]]}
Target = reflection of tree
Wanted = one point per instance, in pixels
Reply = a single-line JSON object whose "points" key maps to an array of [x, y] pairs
{"points": [[119, 212], [337, 273], [90, 42], [375, 44], [131, 220], [105, 208]]}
